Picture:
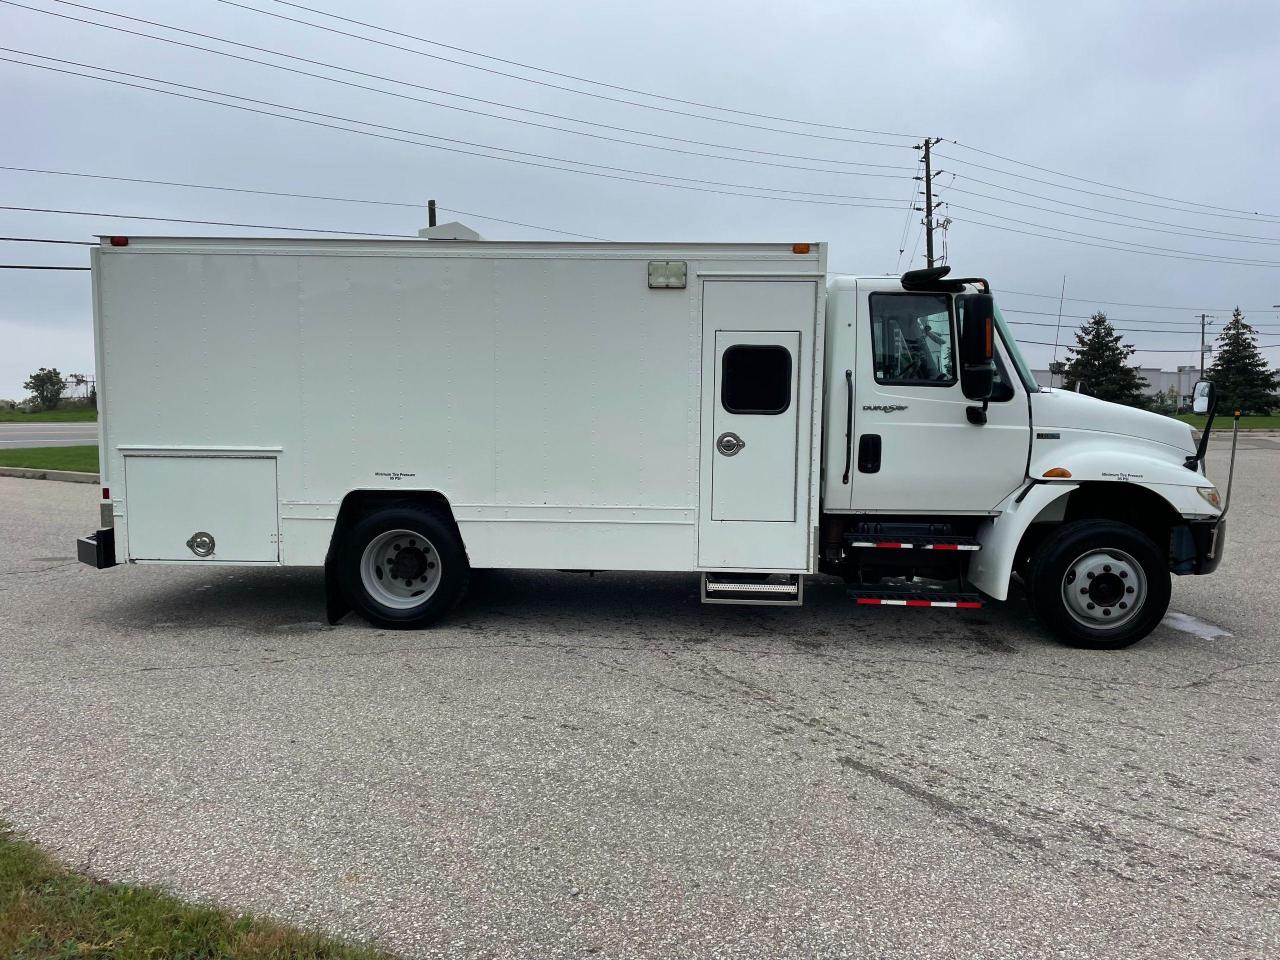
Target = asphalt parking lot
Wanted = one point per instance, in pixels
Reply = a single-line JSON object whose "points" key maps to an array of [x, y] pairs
{"points": [[604, 767]]}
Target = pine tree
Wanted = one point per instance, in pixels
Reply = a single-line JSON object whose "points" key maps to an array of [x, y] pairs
{"points": [[1240, 371], [1099, 365]]}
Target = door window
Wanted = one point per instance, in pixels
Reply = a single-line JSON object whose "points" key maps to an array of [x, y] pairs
{"points": [[755, 379], [912, 338]]}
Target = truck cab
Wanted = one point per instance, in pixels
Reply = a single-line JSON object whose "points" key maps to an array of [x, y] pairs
{"points": [[939, 488]]}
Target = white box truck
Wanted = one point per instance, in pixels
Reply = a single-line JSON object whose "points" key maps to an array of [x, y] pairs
{"points": [[402, 412]]}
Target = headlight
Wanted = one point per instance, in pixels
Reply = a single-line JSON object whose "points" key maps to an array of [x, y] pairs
{"points": [[1210, 494]]}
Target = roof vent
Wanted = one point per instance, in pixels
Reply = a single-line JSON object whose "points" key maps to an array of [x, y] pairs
{"points": [[449, 231]]}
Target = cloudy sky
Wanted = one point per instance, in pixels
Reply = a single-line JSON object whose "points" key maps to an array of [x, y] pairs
{"points": [[1135, 143]]}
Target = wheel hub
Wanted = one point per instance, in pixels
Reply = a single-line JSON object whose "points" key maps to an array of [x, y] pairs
{"points": [[400, 569], [1104, 589]]}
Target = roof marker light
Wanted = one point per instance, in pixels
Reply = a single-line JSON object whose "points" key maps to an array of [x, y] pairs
{"points": [[800, 248]]}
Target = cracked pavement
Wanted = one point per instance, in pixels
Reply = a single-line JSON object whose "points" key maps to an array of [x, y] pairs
{"points": [[576, 766]]}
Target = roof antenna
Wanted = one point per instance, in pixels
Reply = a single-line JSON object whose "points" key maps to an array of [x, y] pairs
{"points": [[1057, 329]]}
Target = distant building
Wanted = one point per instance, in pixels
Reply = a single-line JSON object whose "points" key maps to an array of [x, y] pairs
{"points": [[1158, 381]]}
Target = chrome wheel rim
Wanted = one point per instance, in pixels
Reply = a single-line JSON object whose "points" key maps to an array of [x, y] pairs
{"points": [[400, 569], [1104, 589]]}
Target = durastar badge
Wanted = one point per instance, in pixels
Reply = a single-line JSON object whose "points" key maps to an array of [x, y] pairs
{"points": [[884, 407]]}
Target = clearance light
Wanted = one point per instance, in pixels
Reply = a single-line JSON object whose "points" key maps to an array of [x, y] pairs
{"points": [[1211, 496], [106, 493], [119, 241], [1058, 473], [800, 248]]}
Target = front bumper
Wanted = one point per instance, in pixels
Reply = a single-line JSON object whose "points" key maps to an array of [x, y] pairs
{"points": [[98, 550], [1197, 546]]}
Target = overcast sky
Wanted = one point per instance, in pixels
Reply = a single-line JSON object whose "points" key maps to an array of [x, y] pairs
{"points": [[1175, 99]]}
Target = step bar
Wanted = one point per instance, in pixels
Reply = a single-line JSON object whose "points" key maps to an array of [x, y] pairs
{"points": [[879, 542], [777, 590], [907, 597]]}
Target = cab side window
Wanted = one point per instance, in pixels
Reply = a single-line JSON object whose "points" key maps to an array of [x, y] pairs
{"points": [[913, 339]]}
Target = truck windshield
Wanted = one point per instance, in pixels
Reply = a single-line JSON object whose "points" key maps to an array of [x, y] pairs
{"points": [[1011, 345]]}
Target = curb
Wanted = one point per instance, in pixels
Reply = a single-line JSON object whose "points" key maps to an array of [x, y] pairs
{"points": [[31, 473]]}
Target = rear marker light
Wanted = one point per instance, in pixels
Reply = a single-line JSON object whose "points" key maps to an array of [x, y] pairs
{"points": [[119, 241], [106, 493]]}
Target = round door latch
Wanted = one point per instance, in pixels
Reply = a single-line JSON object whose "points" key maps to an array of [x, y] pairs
{"points": [[729, 444], [201, 544]]}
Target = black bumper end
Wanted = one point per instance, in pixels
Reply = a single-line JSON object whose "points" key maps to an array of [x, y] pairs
{"points": [[98, 550], [1198, 546]]}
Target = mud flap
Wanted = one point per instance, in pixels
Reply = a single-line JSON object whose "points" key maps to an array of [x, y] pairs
{"points": [[336, 605]]}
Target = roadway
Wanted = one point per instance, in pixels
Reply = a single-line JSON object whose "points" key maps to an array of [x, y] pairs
{"points": [[47, 434], [577, 766]]}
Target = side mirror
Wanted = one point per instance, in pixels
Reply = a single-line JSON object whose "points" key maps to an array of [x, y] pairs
{"points": [[977, 345], [1205, 397]]}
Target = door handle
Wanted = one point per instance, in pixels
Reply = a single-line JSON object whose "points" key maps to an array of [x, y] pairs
{"points": [[848, 426], [730, 444], [869, 453]]}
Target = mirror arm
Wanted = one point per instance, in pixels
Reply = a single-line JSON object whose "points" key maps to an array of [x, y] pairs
{"points": [[1193, 462]]}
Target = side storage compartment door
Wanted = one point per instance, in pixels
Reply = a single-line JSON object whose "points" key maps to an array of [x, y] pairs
{"points": [[202, 508], [758, 358]]}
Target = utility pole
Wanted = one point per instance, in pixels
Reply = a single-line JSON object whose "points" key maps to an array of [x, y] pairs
{"points": [[929, 205], [431, 213], [1203, 319]]}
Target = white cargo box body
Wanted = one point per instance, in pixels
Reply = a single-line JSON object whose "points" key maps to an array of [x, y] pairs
{"points": [[567, 410]]}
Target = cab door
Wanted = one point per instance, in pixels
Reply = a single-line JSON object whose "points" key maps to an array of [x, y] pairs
{"points": [[915, 450]]}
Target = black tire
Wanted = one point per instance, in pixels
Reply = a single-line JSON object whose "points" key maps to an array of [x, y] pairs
{"points": [[1061, 553], [429, 540]]}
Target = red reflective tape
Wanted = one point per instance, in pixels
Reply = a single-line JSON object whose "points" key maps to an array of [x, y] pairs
{"points": [[945, 546], [919, 603], [969, 605], [868, 601], [894, 546]]}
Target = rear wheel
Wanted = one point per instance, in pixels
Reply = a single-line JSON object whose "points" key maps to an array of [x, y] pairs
{"points": [[1098, 583], [404, 567]]}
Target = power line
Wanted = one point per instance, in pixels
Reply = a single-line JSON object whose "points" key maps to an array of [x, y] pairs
{"points": [[1119, 303], [1143, 223], [33, 266], [801, 197], [76, 243], [555, 86], [449, 106], [1146, 203], [1099, 246], [1261, 346], [1109, 186], [209, 223], [282, 193], [569, 76], [1132, 243], [1171, 324]]}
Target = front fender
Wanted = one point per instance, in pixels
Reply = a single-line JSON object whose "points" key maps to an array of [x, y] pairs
{"points": [[993, 564], [1092, 459]]}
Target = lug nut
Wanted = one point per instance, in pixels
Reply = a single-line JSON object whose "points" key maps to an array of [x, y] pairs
{"points": [[1089, 606], [1106, 569], [1123, 605], [1090, 574], [1128, 589], [1124, 574], [1106, 612]]}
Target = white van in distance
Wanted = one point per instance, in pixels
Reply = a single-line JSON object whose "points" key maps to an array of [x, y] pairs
{"points": [[401, 412]]}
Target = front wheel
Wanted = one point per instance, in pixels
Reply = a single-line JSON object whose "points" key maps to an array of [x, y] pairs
{"points": [[403, 567], [1099, 584]]}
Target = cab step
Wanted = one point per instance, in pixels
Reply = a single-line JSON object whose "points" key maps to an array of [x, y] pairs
{"points": [[889, 542], [913, 596], [779, 590]]}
